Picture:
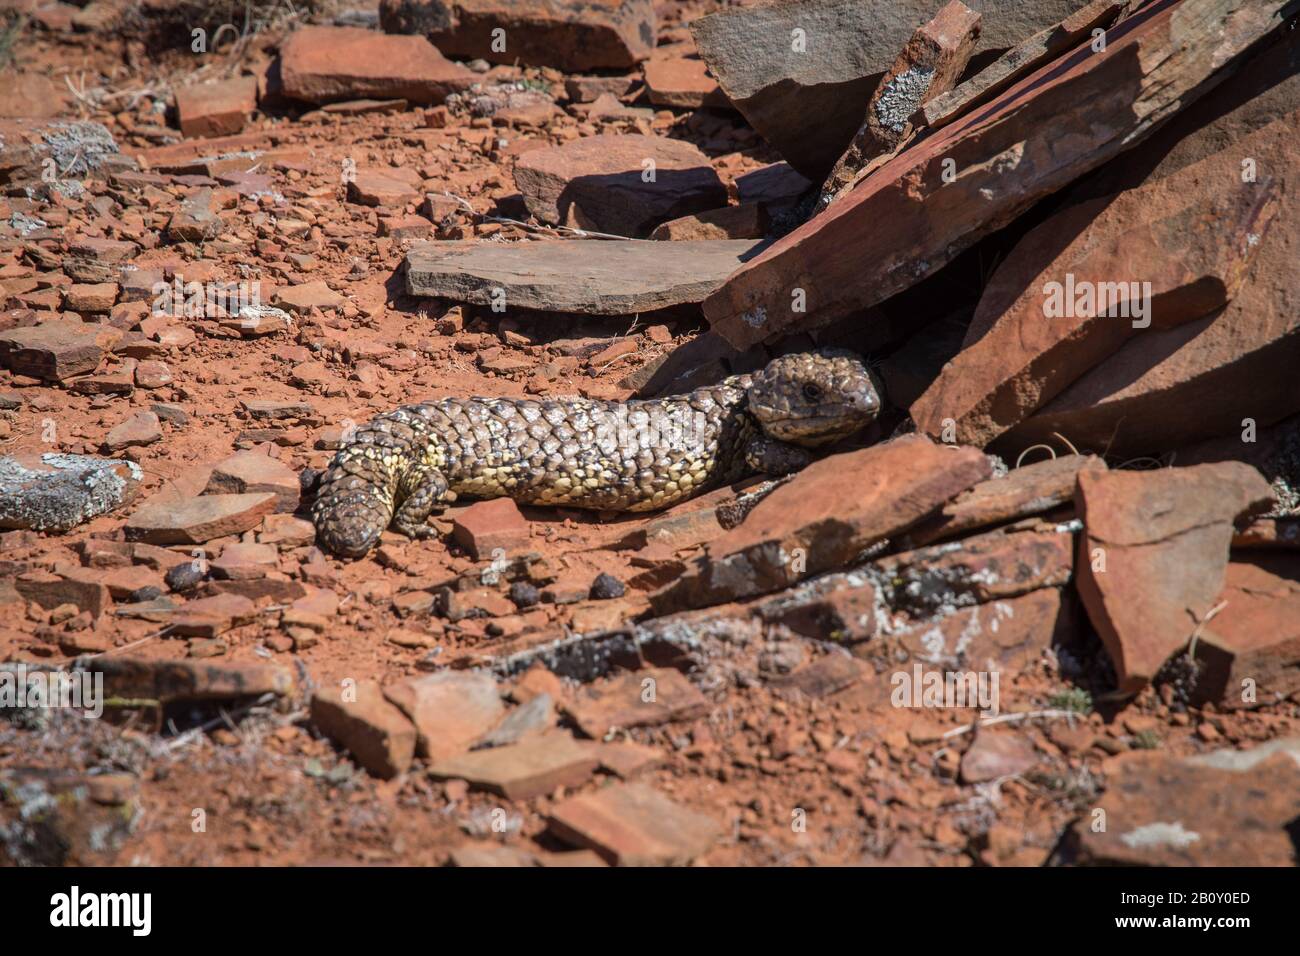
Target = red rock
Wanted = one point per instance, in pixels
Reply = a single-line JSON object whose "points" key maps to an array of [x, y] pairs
{"points": [[1192, 236], [186, 680], [630, 824], [307, 296], [531, 768], [1162, 538], [361, 107], [181, 520], [535, 717], [682, 82], [486, 526], [825, 676], [588, 89], [607, 106], [907, 220], [197, 220], [372, 730], [216, 109], [319, 64], [93, 260], [1205, 378], [54, 351], [1001, 635], [618, 183], [567, 35], [1031, 489], [211, 616], [153, 375], [1272, 534], [54, 492], [97, 297], [931, 63], [121, 382], [626, 760], [1028, 55], [406, 227], [51, 591], [384, 187], [824, 517], [450, 710], [250, 472], [746, 221], [32, 95], [916, 596], [244, 561], [612, 353], [636, 699], [142, 428], [1250, 651], [1226, 808], [995, 754], [775, 187]]}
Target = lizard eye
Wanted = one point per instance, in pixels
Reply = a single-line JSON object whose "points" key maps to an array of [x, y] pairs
{"points": [[812, 392]]}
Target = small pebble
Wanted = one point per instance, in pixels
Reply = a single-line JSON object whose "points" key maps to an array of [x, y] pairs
{"points": [[185, 576], [606, 586], [524, 594]]}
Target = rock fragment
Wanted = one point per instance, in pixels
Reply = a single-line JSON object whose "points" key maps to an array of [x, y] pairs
{"points": [[623, 184], [359, 719], [630, 824], [530, 768], [179, 520], [321, 64], [57, 492], [570, 36], [930, 64], [825, 516], [908, 219], [1153, 555], [216, 109], [593, 278]]}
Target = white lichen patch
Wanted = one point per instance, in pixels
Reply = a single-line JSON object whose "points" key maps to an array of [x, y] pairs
{"points": [[1160, 834], [69, 490], [901, 96]]}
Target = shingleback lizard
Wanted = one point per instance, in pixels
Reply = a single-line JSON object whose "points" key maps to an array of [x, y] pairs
{"points": [[586, 453]]}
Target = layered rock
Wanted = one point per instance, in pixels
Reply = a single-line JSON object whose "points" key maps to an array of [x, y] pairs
{"points": [[570, 35], [918, 211], [1095, 276]]}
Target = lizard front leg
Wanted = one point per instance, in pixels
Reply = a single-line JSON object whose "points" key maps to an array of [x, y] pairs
{"points": [[772, 457]]}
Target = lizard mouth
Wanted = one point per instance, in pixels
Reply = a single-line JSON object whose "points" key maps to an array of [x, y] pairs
{"points": [[817, 429]]}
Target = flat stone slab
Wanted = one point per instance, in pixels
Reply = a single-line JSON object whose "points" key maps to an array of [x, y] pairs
{"points": [[634, 825], [524, 770], [165, 520], [591, 277]]}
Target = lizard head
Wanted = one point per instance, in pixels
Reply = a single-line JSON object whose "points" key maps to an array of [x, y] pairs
{"points": [[813, 398]]}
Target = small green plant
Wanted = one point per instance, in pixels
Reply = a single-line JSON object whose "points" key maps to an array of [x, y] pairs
{"points": [[1146, 740], [1074, 699], [11, 29]]}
